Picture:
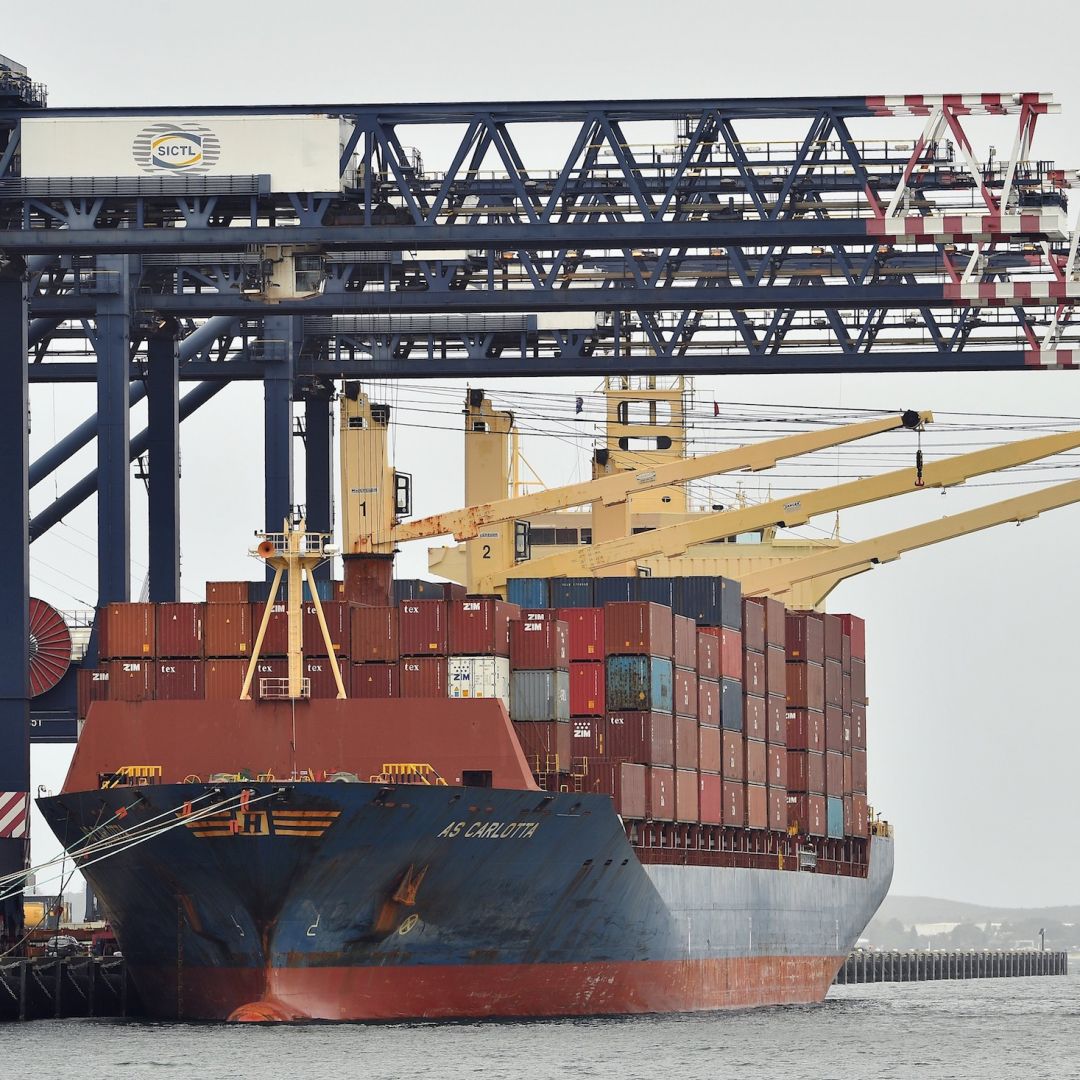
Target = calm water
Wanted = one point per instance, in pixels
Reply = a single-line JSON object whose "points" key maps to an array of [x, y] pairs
{"points": [[1003, 1029]]}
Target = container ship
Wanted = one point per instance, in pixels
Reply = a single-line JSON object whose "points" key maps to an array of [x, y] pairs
{"points": [[521, 791]]}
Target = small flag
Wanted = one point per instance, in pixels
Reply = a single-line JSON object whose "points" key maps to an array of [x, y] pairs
{"points": [[579, 404], [14, 814]]}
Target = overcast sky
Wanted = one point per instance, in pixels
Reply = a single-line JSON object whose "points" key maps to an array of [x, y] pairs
{"points": [[974, 741]]}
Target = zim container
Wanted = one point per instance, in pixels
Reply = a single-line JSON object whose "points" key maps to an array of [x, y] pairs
{"points": [[731, 704], [834, 818], [640, 683], [478, 677], [587, 695], [179, 680], [685, 690], [422, 629], [588, 737], [709, 702], [805, 638], [755, 717], [708, 655], [374, 635], [374, 681], [276, 639], [91, 684], [480, 627], [661, 793], [686, 795], [179, 630], [539, 646], [422, 677], [131, 680], [539, 696], [710, 753], [637, 628], [127, 631], [643, 737], [546, 744], [686, 743], [228, 631], [806, 814], [710, 809], [586, 626]]}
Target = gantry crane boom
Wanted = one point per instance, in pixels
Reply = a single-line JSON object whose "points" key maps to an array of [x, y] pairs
{"points": [[833, 565], [797, 510], [609, 490]]}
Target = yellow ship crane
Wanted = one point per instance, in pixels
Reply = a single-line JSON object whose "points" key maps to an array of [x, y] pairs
{"points": [[796, 510], [616, 490], [809, 580]]}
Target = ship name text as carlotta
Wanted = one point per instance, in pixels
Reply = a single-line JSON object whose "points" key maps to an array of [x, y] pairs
{"points": [[490, 830]]}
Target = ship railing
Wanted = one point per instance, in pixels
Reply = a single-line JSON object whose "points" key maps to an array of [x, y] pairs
{"points": [[277, 689], [131, 776], [408, 772]]}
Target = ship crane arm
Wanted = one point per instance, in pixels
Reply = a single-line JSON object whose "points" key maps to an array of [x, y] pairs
{"points": [[617, 488], [823, 571], [796, 510]]}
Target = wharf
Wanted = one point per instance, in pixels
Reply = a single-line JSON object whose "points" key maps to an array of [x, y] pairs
{"points": [[48, 987], [927, 965]]}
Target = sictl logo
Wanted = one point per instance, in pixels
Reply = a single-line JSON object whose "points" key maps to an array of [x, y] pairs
{"points": [[176, 148]]}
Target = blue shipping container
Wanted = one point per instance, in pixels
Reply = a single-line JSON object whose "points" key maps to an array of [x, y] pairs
{"points": [[571, 592], [258, 591], [834, 818], [615, 590], [639, 684], [730, 604], [731, 704], [404, 589], [528, 592], [700, 599], [656, 590]]}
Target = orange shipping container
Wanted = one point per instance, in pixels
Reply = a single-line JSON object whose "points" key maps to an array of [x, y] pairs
{"points": [[336, 614], [710, 751], [224, 679], [374, 635], [228, 592], [686, 742], [131, 680], [710, 796], [127, 631], [754, 673], [757, 806], [686, 795], [179, 630], [661, 793], [756, 762], [228, 630]]}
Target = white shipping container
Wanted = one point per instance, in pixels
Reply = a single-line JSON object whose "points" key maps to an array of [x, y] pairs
{"points": [[300, 153], [479, 677]]}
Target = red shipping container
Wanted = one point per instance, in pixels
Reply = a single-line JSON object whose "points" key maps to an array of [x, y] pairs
{"points": [[547, 745], [834, 636], [757, 806], [845, 658], [636, 627], [179, 680], [179, 630], [845, 693], [586, 626], [374, 635], [276, 639], [806, 686], [625, 783], [421, 630], [858, 726], [91, 684], [860, 819], [710, 810], [587, 737], [686, 795], [834, 774], [775, 613], [267, 668], [422, 677], [775, 670], [777, 767], [338, 622], [131, 680], [756, 762], [684, 642], [733, 763], [777, 809], [586, 688], [755, 718], [733, 793], [731, 650], [643, 737], [858, 681], [776, 719], [540, 614], [228, 631], [855, 628], [807, 814], [753, 625], [848, 808], [127, 632], [685, 692], [833, 683], [806, 730], [754, 673], [224, 679], [708, 656], [661, 791], [834, 728], [480, 627], [686, 743], [539, 646], [858, 772], [710, 751], [805, 638], [806, 771], [709, 702], [320, 677], [228, 592], [374, 681], [848, 776]]}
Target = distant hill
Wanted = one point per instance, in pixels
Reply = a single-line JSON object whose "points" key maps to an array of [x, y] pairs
{"points": [[910, 910]]}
